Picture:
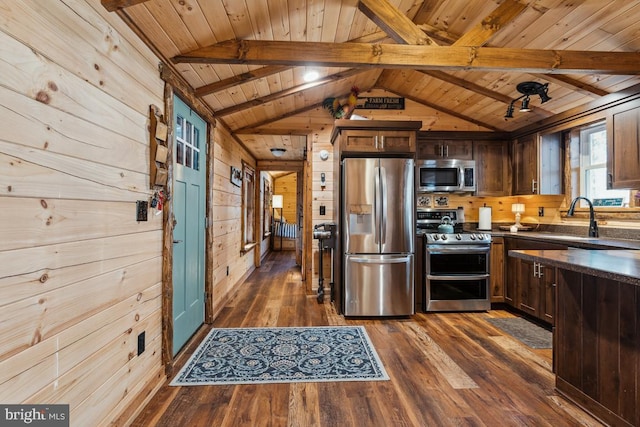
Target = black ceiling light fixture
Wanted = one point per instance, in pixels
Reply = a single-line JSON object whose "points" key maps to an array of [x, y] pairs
{"points": [[527, 89]]}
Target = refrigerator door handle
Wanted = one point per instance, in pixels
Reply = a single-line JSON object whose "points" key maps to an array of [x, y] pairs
{"points": [[383, 205], [376, 207], [368, 260]]}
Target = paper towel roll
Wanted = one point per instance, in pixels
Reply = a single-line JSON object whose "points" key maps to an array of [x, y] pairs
{"points": [[484, 221]]}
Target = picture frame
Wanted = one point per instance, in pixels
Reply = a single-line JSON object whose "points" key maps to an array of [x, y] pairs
{"points": [[236, 176]]}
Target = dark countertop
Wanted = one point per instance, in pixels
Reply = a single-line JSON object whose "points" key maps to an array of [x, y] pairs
{"points": [[620, 265], [570, 240]]}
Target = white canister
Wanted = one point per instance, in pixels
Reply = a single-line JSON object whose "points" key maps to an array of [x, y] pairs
{"points": [[484, 219]]}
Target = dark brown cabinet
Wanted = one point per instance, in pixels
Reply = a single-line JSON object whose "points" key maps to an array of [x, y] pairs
{"points": [[538, 164], [525, 165], [530, 286], [496, 278], [536, 293], [375, 141], [446, 149], [623, 145], [597, 341], [492, 168]]}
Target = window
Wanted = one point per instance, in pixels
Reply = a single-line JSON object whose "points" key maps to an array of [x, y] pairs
{"points": [[248, 206], [593, 166], [187, 144]]}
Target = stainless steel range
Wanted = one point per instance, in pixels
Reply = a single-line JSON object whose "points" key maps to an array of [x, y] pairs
{"points": [[456, 263]]}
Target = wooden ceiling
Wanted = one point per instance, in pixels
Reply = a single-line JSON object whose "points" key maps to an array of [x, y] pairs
{"points": [[456, 62]]}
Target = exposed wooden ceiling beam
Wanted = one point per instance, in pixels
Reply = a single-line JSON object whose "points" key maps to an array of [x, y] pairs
{"points": [[255, 128], [573, 84], [480, 35], [393, 22], [240, 79], [491, 24], [481, 90], [436, 34], [287, 92], [366, 55], [441, 109], [426, 9], [113, 5], [270, 70]]}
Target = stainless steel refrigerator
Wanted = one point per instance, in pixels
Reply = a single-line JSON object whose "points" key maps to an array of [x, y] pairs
{"points": [[378, 236]]}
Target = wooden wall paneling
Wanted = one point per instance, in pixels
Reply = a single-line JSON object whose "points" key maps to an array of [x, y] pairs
{"points": [[35, 270], [60, 353], [287, 186], [33, 319], [108, 62], [322, 196], [75, 99], [66, 134], [225, 221], [50, 221], [76, 382]]}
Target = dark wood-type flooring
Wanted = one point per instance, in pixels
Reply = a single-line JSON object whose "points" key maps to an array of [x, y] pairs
{"points": [[446, 369]]}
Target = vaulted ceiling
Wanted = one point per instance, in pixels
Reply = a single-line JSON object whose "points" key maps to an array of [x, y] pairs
{"points": [[456, 62]]}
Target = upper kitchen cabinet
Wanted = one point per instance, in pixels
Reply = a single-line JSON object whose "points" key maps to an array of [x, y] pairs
{"points": [[432, 145], [492, 168], [444, 149], [538, 161], [623, 145], [371, 136]]}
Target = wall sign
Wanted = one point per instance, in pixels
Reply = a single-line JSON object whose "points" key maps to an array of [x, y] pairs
{"points": [[380, 103]]}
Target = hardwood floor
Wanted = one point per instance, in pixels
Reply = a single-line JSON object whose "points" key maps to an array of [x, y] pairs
{"points": [[446, 369]]}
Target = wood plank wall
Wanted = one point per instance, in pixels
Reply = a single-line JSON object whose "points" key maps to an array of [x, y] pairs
{"points": [[227, 228], [79, 277], [322, 196], [286, 185]]}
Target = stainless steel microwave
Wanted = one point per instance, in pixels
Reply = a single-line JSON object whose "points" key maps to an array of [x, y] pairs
{"points": [[446, 175]]}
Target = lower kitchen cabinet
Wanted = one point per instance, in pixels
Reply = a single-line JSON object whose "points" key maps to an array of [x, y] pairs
{"points": [[597, 336], [536, 283], [496, 271], [530, 286]]}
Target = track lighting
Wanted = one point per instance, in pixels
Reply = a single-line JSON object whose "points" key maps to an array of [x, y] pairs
{"points": [[527, 89]]}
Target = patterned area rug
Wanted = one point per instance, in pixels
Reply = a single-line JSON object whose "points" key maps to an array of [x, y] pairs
{"points": [[523, 330], [283, 355]]}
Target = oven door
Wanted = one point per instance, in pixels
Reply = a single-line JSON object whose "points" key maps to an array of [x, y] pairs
{"points": [[457, 278]]}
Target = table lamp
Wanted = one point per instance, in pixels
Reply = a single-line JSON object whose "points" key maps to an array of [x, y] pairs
{"points": [[517, 208]]}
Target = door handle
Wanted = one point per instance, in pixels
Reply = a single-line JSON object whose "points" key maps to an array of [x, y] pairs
{"points": [[177, 241]]}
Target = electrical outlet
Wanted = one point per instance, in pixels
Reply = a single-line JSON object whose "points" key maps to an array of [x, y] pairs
{"points": [[541, 211], [141, 343], [142, 207], [323, 210]]}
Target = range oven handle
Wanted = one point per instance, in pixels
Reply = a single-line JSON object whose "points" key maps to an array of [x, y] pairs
{"points": [[469, 249], [459, 277]]}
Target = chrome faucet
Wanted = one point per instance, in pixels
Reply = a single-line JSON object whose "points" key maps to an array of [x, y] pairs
{"points": [[593, 224]]}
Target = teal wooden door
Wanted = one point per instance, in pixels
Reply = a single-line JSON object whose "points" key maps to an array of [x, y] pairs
{"points": [[189, 230]]}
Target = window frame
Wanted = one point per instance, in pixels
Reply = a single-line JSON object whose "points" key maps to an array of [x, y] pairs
{"points": [[248, 233]]}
